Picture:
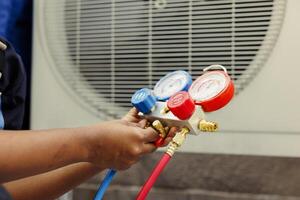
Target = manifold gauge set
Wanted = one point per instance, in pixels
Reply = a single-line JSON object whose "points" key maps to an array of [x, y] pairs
{"points": [[177, 100]]}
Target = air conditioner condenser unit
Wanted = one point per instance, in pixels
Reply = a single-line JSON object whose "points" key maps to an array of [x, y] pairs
{"points": [[90, 57]]}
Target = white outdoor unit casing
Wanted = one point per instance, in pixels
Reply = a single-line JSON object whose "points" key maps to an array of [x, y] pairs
{"points": [[86, 65]]}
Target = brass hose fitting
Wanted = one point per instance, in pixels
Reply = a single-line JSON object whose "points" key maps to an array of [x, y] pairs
{"points": [[157, 125], [165, 110], [177, 141], [207, 126]]}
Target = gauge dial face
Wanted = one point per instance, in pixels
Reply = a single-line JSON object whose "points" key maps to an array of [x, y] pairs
{"points": [[208, 86], [170, 84]]}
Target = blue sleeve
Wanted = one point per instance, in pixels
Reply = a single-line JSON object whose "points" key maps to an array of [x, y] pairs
{"points": [[4, 195], [9, 13], [4, 16]]}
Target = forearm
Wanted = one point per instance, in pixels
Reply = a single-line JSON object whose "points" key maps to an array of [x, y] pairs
{"points": [[27, 153], [51, 185]]}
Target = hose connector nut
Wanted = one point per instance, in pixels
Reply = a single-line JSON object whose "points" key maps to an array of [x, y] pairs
{"points": [[157, 125], [177, 141], [207, 126], [163, 132]]}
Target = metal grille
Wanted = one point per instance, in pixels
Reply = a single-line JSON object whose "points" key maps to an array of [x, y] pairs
{"points": [[107, 49]]}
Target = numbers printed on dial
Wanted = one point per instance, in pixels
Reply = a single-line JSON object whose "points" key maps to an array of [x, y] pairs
{"points": [[172, 83], [208, 87]]}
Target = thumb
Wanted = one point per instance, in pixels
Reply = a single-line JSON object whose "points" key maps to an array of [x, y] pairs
{"points": [[132, 116]]}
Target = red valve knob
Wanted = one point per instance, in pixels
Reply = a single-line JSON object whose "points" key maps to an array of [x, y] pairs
{"points": [[181, 105]]}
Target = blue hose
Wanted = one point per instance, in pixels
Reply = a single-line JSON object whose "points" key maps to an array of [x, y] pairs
{"points": [[105, 183]]}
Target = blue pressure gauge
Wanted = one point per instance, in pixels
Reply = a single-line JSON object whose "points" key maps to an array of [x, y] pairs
{"points": [[143, 100], [172, 83]]}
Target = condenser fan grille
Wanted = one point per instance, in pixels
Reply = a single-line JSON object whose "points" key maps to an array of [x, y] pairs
{"points": [[106, 49]]}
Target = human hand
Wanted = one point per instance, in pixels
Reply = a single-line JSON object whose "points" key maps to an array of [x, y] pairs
{"points": [[119, 144], [133, 117]]}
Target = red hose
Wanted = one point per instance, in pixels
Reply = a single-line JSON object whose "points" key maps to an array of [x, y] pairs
{"points": [[154, 175]]}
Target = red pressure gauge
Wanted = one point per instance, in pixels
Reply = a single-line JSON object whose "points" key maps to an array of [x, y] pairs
{"points": [[213, 90]]}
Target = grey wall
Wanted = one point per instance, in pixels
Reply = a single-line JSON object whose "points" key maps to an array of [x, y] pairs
{"points": [[207, 177]]}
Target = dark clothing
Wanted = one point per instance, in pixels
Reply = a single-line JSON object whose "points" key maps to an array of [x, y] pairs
{"points": [[12, 94], [12, 88], [16, 27]]}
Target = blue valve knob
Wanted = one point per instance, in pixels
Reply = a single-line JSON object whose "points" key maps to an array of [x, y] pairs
{"points": [[143, 100]]}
